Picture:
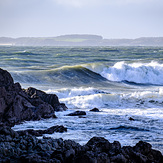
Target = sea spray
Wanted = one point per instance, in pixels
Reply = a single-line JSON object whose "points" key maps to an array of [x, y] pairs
{"points": [[146, 73], [88, 98]]}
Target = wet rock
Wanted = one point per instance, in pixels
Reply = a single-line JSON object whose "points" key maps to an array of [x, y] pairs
{"points": [[51, 99], [82, 116], [55, 129], [152, 101], [18, 105], [118, 158], [5, 78], [69, 155], [131, 119], [50, 130], [146, 149], [99, 144], [61, 107], [24, 147], [87, 157], [6, 130], [77, 113], [142, 147], [95, 110]]}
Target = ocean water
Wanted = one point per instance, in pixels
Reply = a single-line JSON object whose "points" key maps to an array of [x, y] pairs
{"points": [[122, 82]]}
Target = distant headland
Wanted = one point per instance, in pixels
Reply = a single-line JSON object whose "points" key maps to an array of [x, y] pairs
{"points": [[80, 40]]}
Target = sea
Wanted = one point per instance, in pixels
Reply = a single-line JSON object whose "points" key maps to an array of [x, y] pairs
{"points": [[122, 82]]}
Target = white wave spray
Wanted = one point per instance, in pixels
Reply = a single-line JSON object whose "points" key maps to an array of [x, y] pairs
{"points": [[145, 73]]}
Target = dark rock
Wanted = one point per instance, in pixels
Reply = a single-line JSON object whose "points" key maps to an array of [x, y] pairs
{"points": [[155, 155], [24, 147], [51, 99], [33, 158], [146, 149], [142, 147], [115, 148], [119, 158], [50, 130], [99, 144], [77, 113], [152, 101], [61, 107], [55, 129], [95, 110], [131, 119], [69, 155], [18, 105], [5, 78], [6, 130]]}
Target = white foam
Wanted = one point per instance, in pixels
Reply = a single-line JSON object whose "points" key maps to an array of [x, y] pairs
{"points": [[87, 98], [90, 101], [67, 92], [146, 73]]}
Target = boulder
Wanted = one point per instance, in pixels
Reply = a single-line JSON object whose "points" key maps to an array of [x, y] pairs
{"points": [[52, 99], [131, 119], [77, 113], [5, 78], [50, 130], [23, 146], [95, 110]]}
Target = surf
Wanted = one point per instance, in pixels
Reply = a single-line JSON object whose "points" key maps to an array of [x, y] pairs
{"points": [[136, 72]]}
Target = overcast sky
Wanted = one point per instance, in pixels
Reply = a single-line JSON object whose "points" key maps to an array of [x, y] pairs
{"points": [[108, 18]]}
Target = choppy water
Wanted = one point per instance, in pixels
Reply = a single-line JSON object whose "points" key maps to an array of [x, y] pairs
{"points": [[122, 82]]}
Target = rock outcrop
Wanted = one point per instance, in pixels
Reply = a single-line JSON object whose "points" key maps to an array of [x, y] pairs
{"points": [[24, 147], [50, 130], [95, 110], [17, 104], [77, 113]]}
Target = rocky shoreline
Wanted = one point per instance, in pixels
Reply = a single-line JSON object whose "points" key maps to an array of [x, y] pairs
{"points": [[18, 105], [23, 146]]}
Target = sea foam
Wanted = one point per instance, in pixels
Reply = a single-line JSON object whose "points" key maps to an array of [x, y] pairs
{"points": [[88, 98], [144, 73]]}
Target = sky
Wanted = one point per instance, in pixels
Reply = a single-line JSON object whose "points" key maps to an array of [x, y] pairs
{"points": [[108, 18]]}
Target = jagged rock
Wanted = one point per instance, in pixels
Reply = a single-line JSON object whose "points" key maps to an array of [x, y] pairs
{"points": [[51, 99], [17, 105], [5, 78], [131, 119], [77, 113], [24, 147], [6, 130], [99, 144], [146, 149]]}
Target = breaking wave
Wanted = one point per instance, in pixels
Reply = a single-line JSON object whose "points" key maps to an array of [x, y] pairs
{"points": [[88, 98], [140, 73]]}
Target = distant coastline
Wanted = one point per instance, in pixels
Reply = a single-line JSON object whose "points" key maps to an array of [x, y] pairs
{"points": [[79, 40]]}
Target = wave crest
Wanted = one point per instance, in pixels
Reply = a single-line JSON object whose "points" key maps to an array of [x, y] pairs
{"points": [[144, 73]]}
